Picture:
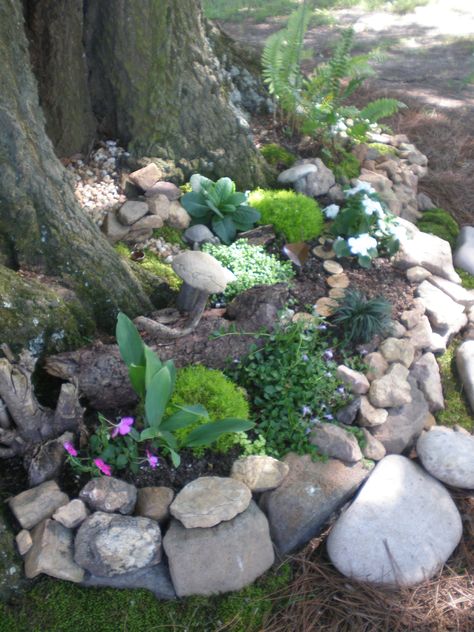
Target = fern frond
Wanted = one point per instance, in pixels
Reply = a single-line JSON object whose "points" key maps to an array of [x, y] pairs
{"points": [[380, 108]]}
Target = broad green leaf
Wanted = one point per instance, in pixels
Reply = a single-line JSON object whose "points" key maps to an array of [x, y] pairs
{"points": [[137, 379], [157, 397], [208, 433], [175, 458], [169, 439], [129, 341], [184, 417], [223, 190], [225, 229], [245, 217], [172, 369], [153, 365], [213, 206], [236, 199], [149, 434], [121, 461], [195, 204]]}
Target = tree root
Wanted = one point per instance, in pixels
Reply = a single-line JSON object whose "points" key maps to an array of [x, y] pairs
{"points": [[163, 331]]}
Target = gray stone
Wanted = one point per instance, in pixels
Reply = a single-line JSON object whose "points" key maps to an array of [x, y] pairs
{"points": [[465, 366], [332, 440], [309, 495], [295, 173], [138, 236], [156, 579], [404, 423], [348, 414], [259, 473], [464, 251], [392, 389], [109, 494], [448, 456], [455, 291], [12, 580], [355, 381], [399, 531], [199, 234], [178, 218], [411, 317], [417, 274], [317, 182], [146, 177], [35, 504], [443, 312], [52, 553], [168, 189], [159, 205], [149, 222], [208, 500], [336, 194], [373, 448], [24, 541], [369, 415], [154, 503], [397, 330], [398, 350], [113, 229], [110, 544], [72, 514], [428, 251], [48, 459], [218, 559], [377, 365], [421, 335], [131, 212], [426, 372]]}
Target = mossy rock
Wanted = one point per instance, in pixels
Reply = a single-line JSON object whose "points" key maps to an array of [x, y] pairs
{"points": [[439, 222], [383, 149]]}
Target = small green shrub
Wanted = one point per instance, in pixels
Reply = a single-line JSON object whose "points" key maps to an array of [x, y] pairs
{"points": [[277, 155], [217, 393], [291, 383], [294, 215], [252, 265], [360, 318], [439, 222]]}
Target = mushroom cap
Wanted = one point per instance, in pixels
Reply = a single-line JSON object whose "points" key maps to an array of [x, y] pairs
{"points": [[202, 271]]}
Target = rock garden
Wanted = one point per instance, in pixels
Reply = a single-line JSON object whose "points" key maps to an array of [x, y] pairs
{"points": [[287, 390]]}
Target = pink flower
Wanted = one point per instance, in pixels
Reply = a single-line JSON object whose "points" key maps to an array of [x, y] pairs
{"points": [[70, 448], [152, 459], [123, 427], [103, 467]]}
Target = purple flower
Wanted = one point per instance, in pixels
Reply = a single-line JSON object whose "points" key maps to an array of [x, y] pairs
{"points": [[341, 390], [305, 357], [103, 467], [322, 327], [306, 410], [329, 416], [70, 448], [123, 427], [152, 459], [328, 354]]}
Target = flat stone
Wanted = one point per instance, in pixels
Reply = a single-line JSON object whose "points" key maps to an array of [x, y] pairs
{"points": [[168, 189], [323, 253], [209, 500], [443, 312], [259, 473], [427, 251], [377, 365], [35, 504], [111, 544], [348, 414], [109, 494], [417, 274], [333, 441], [392, 389], [404, 423], [295, 173], [303, 317], [455, 291], [159, 205], [325, 306], [411, 317], [398, 350], [199, 234], [145, 177], [156, 579], [337, 293], [332, 267], [373, 448], [369, 415], [138, 236], [464, 251], [309, 495], [131, 212], [405, 525], [24, 541], [113, 229], [72, 514], [178, 218], [149, 222], [52, 553], [465, 367], [340, 281], [421, 336], [448, 456], [426, 372], [154, 503], [218, 559], [355, 381]]}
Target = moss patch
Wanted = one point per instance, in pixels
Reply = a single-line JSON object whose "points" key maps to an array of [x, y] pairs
{"points": [[170, 235], [382, 148], [466, 278], [457, 410], [440, 223], [277, 156], [153, 264]]}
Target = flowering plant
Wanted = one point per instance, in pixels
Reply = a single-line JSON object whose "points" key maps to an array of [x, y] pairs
{"points": [[363, 227]]}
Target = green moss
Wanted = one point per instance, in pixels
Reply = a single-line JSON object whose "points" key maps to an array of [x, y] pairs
{"points": [[170, 235], [457, 410], [347, 166], [153, 264], [440, 223], [466, 278], [276, 155], [382, 148], [294, 215], [217, 393]]}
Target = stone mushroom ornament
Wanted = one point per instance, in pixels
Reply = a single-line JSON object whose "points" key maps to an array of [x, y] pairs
{"points": [[202, 275]]}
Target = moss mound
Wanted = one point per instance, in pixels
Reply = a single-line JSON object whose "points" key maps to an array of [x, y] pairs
{"points": [[457, 410], [440, 223], [294, 215], [277, 156]]}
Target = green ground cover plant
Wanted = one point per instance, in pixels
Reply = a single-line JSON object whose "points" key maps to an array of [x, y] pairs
{"points": [[466, 278], [439, 222], [295, 216], [252, 265]]}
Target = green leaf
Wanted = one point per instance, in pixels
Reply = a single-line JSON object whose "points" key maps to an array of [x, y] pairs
{"points": [[184, 417], [149, 433], [157, 396], [208, 433], [170, 440], [236, 199], [223, 189], [121, 461], [175, 458], [245, 217], [129, 341], [153, 365], [195, 204], [137, 379], [224, 228]]}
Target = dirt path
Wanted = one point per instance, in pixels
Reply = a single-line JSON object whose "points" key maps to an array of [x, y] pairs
{"points": [[429, 65]]}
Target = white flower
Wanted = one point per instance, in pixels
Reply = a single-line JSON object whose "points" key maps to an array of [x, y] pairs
{"points": [[398, 231], [362, 244], [331, 211], [372, 206], [360, 186]]}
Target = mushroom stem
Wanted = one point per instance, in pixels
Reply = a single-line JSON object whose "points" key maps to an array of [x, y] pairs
{"points": [[157, 329], [187, 297]]}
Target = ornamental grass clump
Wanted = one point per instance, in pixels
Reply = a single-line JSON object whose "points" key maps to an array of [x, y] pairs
{"points": [[360, 318], [294, 216], [252, 265], [363, 227]]}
